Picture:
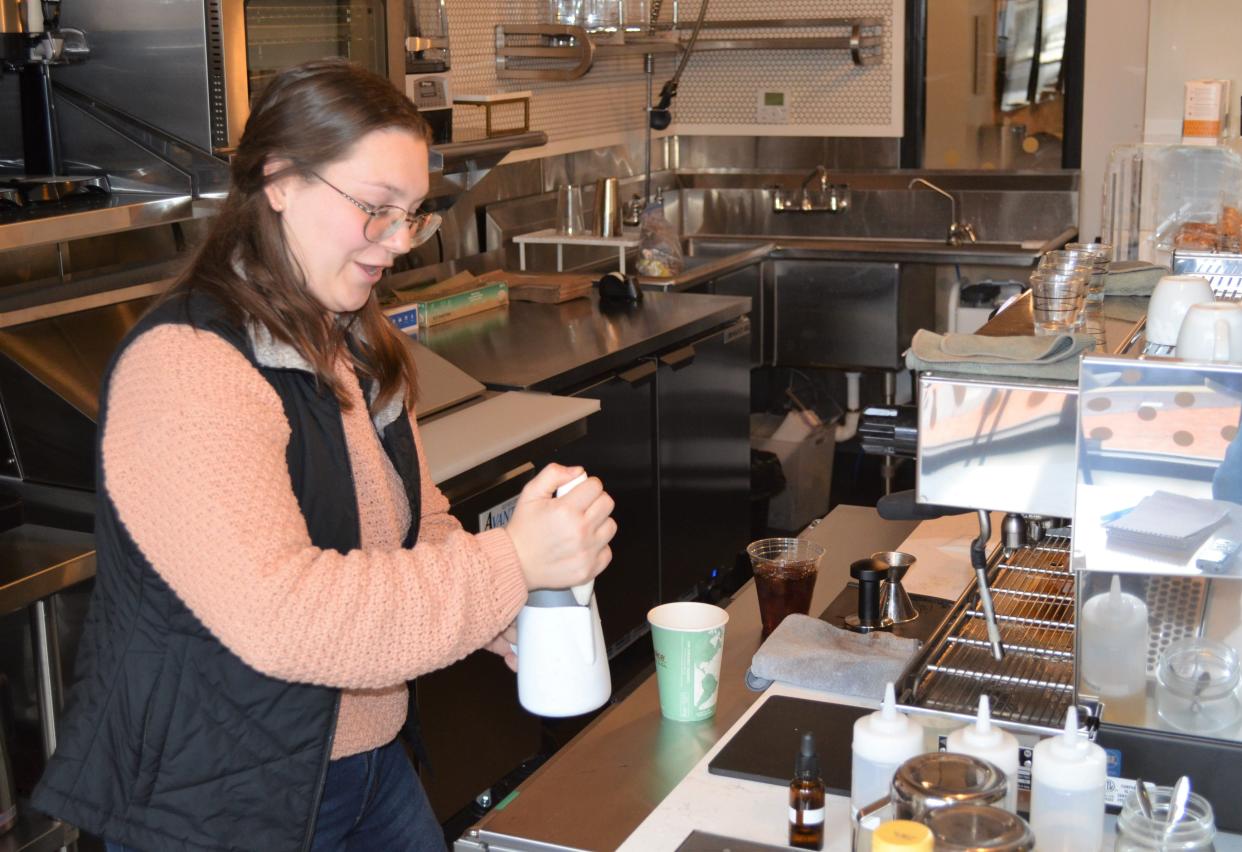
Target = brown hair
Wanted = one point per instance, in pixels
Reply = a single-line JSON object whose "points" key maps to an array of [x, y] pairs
{"points": [[309, 115]]}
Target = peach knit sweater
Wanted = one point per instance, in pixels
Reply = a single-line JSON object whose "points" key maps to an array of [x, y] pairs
{"points": [[194, 460]]}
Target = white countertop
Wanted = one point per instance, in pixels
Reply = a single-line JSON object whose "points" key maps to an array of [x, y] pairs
{"points": [[755, 811]]}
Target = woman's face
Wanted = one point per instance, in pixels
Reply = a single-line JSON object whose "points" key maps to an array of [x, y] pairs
{"points": [[324, 229]]}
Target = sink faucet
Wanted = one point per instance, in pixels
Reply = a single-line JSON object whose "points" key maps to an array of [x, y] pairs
{"points": [[822, 174], [827, 198], [959, 232]]}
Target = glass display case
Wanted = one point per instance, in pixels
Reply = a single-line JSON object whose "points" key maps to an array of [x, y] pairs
{"points": [[1160, 198]]}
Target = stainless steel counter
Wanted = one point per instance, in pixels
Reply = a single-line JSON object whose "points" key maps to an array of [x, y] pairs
{"points": [[700, 270], [545, 347], [596, 790], [38, 561]]}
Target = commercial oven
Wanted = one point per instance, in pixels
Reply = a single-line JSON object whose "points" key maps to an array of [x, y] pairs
{"points": [[191, 68]]}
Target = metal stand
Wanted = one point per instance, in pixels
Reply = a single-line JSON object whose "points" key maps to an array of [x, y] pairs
{"points": [[649, 68]]}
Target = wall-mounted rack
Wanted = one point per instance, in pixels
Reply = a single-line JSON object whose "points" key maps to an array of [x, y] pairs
{"points": [[565, 52]]}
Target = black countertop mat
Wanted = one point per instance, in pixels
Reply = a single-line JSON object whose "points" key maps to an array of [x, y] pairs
{"points": [[765, 747]]}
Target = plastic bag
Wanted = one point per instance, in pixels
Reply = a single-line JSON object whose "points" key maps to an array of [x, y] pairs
{"points": [[659, 249]]}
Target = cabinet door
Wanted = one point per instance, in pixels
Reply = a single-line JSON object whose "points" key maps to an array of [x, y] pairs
{"points": [[837, 314], [618, 449], [473, 727], [704, 458]]}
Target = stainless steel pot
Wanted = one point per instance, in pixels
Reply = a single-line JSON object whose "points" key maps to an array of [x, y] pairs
{"points": [[936, 780]]}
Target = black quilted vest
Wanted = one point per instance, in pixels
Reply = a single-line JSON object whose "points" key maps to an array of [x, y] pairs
{"points": [[170, 741]]}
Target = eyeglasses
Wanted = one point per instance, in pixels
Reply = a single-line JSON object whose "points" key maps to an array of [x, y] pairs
{"points": [[383, 222]]}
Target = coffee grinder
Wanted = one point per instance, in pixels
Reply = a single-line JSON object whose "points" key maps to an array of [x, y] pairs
{"points": [[31, 42], [427, 65]]}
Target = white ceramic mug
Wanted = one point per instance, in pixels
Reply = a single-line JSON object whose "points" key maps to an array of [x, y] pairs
{"points": [[1172, 297], [1211, 332]]}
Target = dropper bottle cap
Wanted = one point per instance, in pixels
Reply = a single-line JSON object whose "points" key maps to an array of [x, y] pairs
{"points": [[807, 764]]}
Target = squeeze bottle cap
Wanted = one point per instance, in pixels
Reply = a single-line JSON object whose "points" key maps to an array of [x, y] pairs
{"points": [[982, 734], [887, 719], [1115, 607], [1069, 760], [887, 736]]}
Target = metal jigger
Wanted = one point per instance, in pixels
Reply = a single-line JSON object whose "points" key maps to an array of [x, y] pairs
{"points": [[895, 605]]}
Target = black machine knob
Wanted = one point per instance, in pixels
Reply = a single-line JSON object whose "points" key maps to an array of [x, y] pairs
{"points": [[869, 573]]}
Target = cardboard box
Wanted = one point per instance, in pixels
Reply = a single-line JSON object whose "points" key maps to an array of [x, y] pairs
{"points": [[807, 465]]}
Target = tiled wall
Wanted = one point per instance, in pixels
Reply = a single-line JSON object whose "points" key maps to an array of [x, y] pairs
{"points": [[826, 93]]}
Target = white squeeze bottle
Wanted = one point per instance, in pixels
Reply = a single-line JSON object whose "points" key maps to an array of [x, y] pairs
{"points": [[1067, 791], [988, 742], [1114, 642], [883, 740]]}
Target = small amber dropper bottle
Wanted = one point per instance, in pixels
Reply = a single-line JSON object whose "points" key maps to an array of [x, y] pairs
{"points": [[806, 799]]}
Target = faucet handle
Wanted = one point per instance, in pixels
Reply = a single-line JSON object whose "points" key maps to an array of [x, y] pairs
{"points": [[960, 232]]}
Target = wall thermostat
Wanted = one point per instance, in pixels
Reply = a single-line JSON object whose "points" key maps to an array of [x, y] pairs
{"points": [[773, 108]]}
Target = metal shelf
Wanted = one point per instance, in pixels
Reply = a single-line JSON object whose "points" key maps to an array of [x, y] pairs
{"points": [[524, 51], [90, 217]]}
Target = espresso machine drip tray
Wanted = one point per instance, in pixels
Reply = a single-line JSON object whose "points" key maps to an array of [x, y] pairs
{"points": [[1033, 595]]}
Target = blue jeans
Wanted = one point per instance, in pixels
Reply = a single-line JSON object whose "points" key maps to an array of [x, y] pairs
{"points": [[371, 801]]}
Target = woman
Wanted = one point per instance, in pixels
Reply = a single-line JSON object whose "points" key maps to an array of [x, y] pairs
{"points": [[274, 562]]}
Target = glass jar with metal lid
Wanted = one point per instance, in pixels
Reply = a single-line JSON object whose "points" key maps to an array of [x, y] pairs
{"points": [[938, 779], [979, 828]]}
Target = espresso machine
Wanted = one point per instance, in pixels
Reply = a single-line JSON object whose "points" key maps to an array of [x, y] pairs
{"points": [[1116, 586], [427, 65], [32, 42]]}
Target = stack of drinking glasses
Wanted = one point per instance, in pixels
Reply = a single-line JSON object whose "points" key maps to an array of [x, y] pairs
{"points": [[1068, 287]]}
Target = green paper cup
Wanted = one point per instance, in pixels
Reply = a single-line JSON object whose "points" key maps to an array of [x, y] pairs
{"points": [[689, 644]]}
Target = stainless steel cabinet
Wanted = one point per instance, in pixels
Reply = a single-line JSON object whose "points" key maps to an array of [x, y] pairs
{"points": [[703, 411], [619, 449], [848, 314]]}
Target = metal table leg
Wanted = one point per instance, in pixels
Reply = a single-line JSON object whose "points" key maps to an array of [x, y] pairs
{"points": [[47, 670]]}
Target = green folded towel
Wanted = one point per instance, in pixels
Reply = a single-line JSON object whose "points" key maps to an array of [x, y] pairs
{"points": [[1049, 357], [1132, 278]]}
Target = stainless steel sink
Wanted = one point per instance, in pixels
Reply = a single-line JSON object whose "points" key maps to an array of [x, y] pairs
{"points": [[1023, 254]]}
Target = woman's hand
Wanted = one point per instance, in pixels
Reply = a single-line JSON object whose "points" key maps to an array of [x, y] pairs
{"points": [[562, 541], [503, 645]]}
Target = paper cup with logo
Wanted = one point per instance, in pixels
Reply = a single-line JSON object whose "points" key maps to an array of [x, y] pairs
{"points": [[689, 644]]}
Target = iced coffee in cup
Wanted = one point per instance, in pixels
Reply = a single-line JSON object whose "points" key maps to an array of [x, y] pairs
{"points": [[785, 570]]}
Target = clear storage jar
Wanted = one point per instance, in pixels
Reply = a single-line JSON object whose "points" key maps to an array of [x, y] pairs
{"points": [[1137, 833], [1196, 682]]}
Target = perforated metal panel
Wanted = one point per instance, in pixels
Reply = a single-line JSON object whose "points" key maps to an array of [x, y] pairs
{"points": [[719, 89]]}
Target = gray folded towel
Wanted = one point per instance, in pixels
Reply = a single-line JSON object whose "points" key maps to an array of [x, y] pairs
{"points": [[1047, 357], [806, 651], [1133, 278]]}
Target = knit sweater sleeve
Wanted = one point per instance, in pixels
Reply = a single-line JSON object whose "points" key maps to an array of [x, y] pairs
{"points": [[194, 461]]}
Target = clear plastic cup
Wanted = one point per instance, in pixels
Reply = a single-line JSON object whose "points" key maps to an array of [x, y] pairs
{"points": [[785, 571]]}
